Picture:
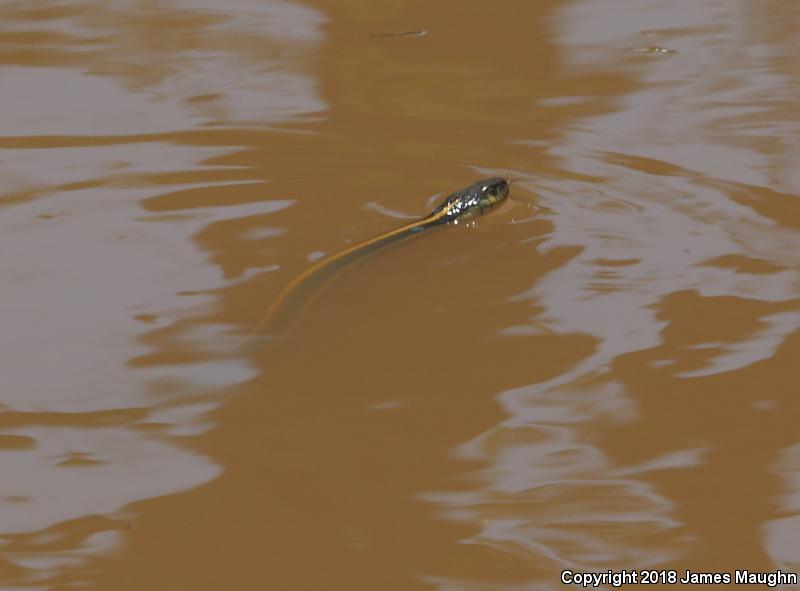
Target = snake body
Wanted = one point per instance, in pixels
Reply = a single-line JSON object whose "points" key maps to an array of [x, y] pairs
{"points": [[472, 201]]}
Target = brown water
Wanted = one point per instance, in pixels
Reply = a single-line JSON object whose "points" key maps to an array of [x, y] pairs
{"points": [[601, 375]]}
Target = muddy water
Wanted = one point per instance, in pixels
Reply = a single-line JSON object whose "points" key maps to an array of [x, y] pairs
{"points": [[600, 375]]}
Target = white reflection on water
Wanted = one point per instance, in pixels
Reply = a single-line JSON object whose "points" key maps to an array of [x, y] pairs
{"points": [[673, 148], [782, 535], [92, 278], [701, 127], [116, 466], [162, 67], [552, 496], [63, 283], [760, 346], [82, 106]]}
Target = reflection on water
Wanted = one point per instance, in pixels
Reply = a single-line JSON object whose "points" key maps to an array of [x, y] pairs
{"points": [[120, 464], [550, 492], [680, 264], [597, 376], [104, 376]]}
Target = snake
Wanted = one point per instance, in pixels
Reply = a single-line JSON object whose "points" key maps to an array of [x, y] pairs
{"points": [[475, 200]]}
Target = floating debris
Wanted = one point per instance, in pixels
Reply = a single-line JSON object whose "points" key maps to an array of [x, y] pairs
{"points": [[419, 33]]}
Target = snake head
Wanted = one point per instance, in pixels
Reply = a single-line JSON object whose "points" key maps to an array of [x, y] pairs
{"points": [[475, 200]]}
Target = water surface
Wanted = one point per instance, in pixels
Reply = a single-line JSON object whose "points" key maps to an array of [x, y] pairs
{"points": [[600, 375]]}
